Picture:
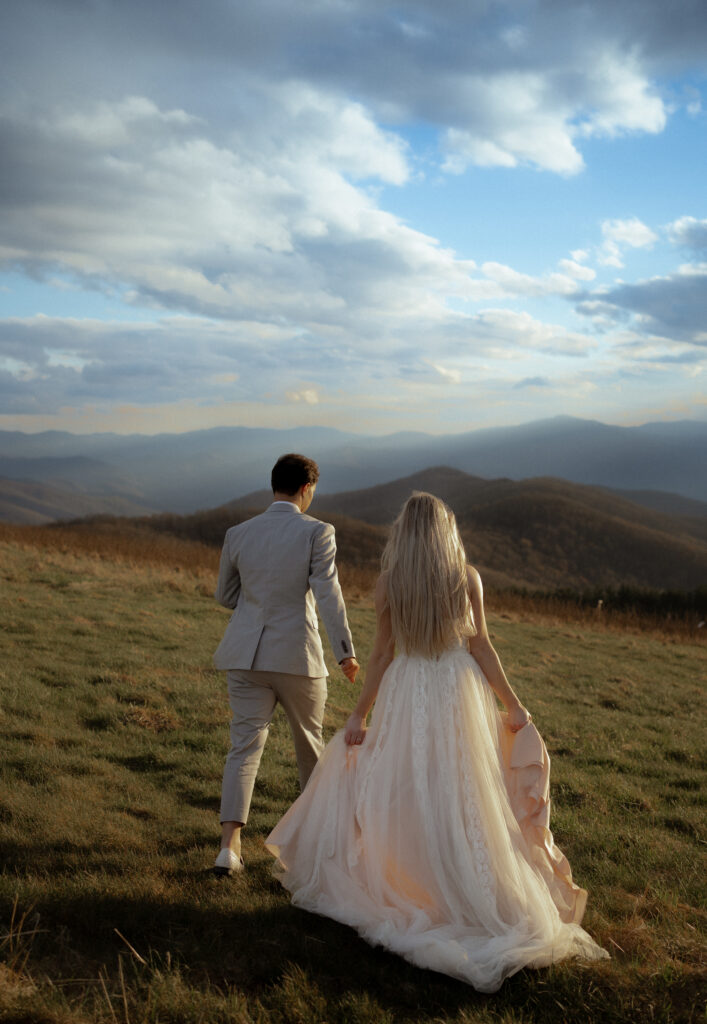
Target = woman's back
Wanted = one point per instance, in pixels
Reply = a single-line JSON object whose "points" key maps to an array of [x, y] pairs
{"points": [[424, 568]]}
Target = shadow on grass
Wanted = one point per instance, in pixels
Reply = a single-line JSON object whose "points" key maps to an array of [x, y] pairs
{"points": [[243, 934], [251, 951]]}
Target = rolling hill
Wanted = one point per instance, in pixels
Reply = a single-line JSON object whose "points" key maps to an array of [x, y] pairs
{"points": [[538, 533], [33, 503]]}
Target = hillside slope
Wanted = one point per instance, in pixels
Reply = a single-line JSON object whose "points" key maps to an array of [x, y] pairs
{"points": [[549, 532], [32, 503], [540, 533]]}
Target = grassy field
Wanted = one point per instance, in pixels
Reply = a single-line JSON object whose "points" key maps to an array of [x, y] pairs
{"points": [[114, 728]]}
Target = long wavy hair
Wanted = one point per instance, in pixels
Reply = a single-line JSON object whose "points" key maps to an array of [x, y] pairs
{"points": [[426, 582]]}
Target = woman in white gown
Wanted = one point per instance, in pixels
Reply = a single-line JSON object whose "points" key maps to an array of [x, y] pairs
{"points": [[428, 832]]}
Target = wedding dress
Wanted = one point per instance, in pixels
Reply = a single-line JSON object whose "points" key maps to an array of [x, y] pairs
{"points": [[432, 838]]}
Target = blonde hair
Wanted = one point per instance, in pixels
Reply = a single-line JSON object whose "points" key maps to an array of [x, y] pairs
{"points": [[425, 570]]}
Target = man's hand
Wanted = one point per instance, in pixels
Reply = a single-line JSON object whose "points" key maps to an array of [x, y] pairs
{"points": [[350, 667]]}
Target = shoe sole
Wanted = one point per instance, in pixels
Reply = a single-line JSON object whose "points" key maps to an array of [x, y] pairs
{"points": [[227, 872]]}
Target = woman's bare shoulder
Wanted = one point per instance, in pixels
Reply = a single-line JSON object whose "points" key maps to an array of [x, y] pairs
{"points": [[473, 579]]}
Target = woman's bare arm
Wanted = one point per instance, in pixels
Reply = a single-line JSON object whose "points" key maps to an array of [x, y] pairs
{"points": [[381, 656], [481, 648]]}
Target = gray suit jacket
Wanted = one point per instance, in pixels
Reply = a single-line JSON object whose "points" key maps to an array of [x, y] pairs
{"points": [[272, 568]]}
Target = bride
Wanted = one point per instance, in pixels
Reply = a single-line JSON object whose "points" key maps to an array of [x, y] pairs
{"points": [[428, 831]]}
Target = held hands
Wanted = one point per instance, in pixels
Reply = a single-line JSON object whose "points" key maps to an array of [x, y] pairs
{"points": [[350, 667], [518, 717], [355, 731]]}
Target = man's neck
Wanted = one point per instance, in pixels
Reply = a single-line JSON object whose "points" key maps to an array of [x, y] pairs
{"points": [[292, 498]]}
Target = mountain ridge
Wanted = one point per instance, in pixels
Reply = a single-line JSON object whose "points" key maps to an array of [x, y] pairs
{"points": [[203, 469], [536, 533]]}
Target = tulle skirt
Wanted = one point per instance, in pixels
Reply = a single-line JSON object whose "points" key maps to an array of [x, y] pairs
{"points": [[432, 839]]}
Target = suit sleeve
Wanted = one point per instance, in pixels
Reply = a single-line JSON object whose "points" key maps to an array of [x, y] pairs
{"points": [[324, 581], [228, 587]]}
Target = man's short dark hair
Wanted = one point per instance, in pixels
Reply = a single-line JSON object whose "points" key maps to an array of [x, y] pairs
{"points": [[291, 472]]}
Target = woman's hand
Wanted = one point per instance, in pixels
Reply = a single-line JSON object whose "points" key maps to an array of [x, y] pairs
{"points": [[518, 717], [355, 732]]}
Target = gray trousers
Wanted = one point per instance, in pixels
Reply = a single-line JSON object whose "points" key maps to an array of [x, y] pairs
{"points": [[253, 697]]}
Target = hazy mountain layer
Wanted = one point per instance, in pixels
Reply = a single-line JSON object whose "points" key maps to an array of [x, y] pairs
{"points": [[201, 469]]}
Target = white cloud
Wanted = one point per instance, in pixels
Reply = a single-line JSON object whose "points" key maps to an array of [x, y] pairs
{"points": [[503, 332], [528, 117], [516, 122], [575, 270], [236, 171], [620, 97], [512, 283], [110, 125], [310, 396], [504, 83], [244, 229], [630, 233]]}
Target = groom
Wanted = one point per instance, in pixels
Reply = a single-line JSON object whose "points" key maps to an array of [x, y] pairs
{"points": [[273, 567]]}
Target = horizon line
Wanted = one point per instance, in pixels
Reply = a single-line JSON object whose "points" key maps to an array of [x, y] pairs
{"points": [[355, 433]]}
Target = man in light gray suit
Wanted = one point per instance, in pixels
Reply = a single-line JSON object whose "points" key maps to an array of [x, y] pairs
{"points": [[273, 568]]}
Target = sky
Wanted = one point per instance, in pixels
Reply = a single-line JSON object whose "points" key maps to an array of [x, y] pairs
{"points": [[437, 215]]}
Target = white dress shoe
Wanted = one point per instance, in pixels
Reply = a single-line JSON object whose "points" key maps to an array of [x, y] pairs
{"points": [[227, 863]]}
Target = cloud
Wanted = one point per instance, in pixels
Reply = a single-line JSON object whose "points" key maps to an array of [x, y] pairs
{"points": [[622, 99], [50, 363], [689, 232], [623, 234], [235, 230], [503, 84], [230, 173], [630, 232], [504, 333], [454, 376], [511, 283], [576, 270], [145, 203], [673, 307], [54, 362], [537, 117], [310, 396]]}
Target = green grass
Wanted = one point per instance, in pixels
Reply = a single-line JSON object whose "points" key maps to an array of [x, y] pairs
{"points": [[114, 727]]}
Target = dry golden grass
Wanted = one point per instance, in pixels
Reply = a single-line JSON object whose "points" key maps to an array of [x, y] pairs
{"points": [[137, 546], [553, 610], [140, 546], [114, 726]]}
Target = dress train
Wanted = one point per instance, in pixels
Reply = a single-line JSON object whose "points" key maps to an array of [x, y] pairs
{"points": [[432, 839]]}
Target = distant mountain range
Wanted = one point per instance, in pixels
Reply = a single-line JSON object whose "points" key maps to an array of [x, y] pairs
{"points": [[539, 533], [202, 469]]}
